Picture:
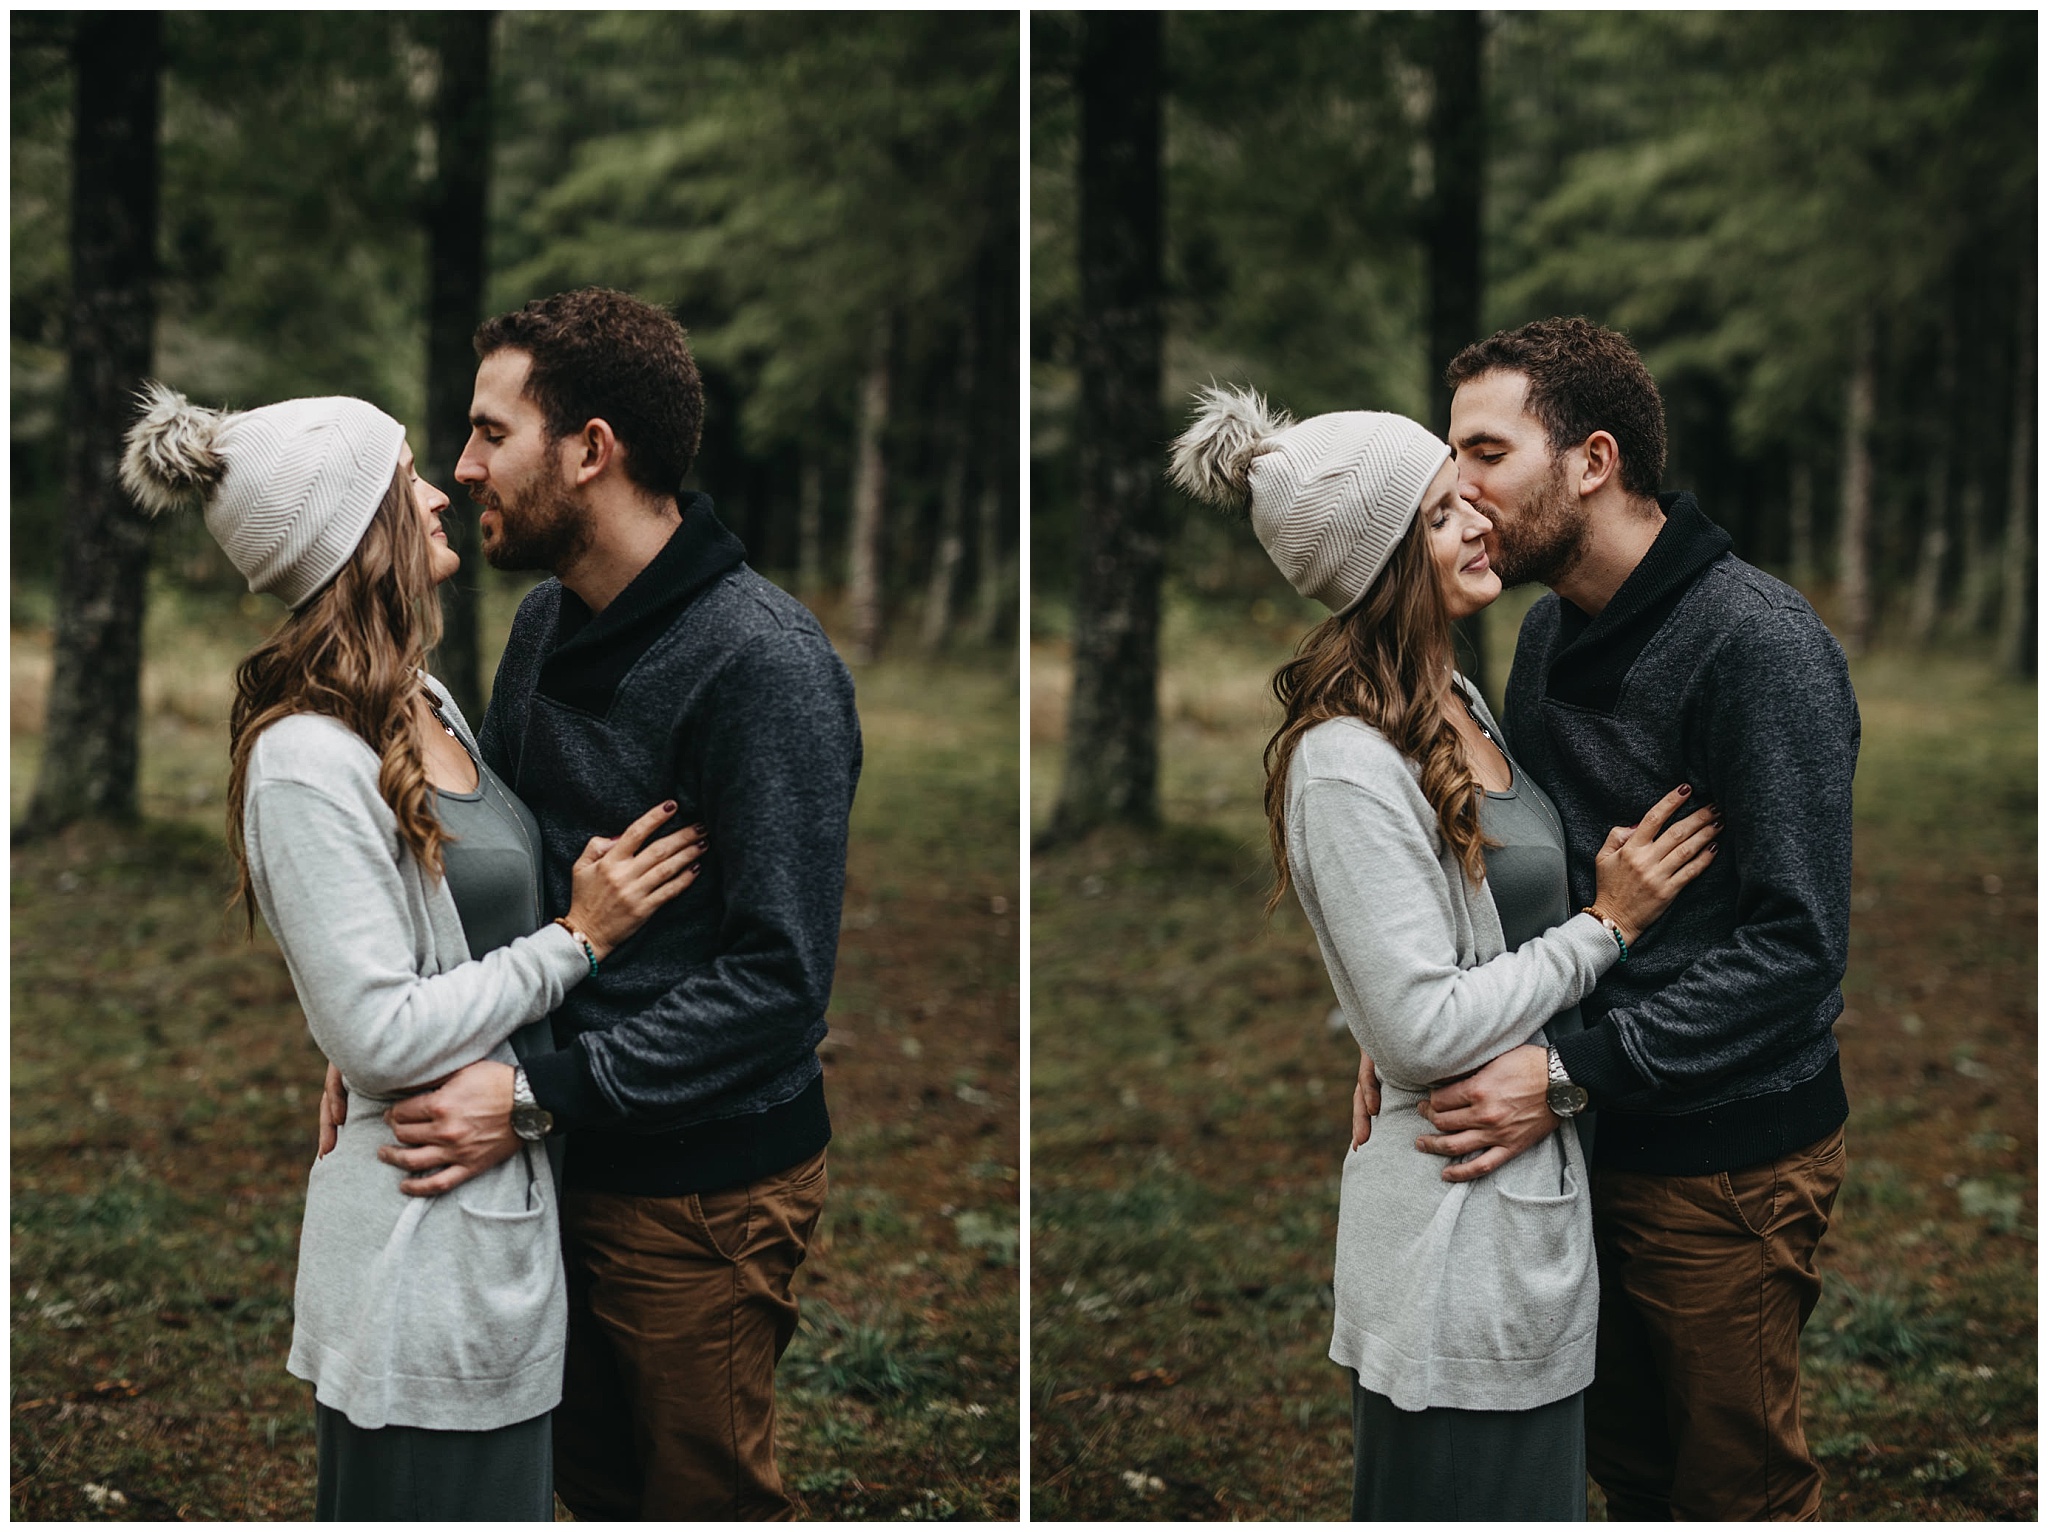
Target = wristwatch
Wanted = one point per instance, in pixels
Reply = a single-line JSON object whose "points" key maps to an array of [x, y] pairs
{"points": [[534, 1122], [1565, 1098]]}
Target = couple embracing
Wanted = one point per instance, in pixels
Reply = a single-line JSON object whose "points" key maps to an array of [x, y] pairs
{"points": [[1592, 958], [570, 970]]}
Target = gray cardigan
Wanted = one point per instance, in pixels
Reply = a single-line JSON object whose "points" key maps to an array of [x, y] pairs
{"points": [[1480, 1295], [447, 1312]]}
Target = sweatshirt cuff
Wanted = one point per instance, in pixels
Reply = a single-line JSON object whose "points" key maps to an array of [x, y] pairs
{"points": [[1593, 1058], [563, 1084]]}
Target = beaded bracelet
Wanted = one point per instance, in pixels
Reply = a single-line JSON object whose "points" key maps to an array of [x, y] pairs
{"points": [[590, 952], [1613, 929]]}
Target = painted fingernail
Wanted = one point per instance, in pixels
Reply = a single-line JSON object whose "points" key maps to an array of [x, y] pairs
{"points": [[1684, 789], [669, 807]]}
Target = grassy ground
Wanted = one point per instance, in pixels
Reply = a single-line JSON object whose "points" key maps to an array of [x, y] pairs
{"points": [[163, 1098], [1190, 1105]]}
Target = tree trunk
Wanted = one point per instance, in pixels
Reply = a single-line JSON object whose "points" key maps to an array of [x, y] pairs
{"points": [[1113, 713], [1112, 757], [90, 739], [1802, 525], [870, 491], [995, 555], [456, 217], [938, 599], [1979, 572], [997, 582], [1452, 230], [1933, 557], [1934, 534], [1853, 584], [2016, 610], [810, 527], [1887, 557]]}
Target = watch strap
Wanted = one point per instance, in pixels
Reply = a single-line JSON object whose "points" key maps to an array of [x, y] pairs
{"points": [[530, 1120], [1565, 1097]]}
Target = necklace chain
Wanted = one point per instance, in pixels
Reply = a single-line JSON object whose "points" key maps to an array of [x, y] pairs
{"points": [[1479, 722]]}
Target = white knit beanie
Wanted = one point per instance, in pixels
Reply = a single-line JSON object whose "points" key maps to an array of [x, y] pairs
{"points": [[289, 488], [1329, 497]]}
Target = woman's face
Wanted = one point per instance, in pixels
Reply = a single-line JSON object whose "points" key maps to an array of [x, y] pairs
{"points": [[1457, 545], [442, 560]]}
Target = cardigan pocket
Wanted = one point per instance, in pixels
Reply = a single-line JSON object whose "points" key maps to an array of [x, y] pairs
{"points": [[501, 1253], [1531, 1253], [1566, 1195]]}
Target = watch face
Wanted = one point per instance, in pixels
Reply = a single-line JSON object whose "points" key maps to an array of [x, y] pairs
{"points": [[532, 1122]]}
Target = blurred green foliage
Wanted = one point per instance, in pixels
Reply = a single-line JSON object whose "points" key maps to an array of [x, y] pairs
{"points": [[780, 179], [848, 166], [1735, 191]]}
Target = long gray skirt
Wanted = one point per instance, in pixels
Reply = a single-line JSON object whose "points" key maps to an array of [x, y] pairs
{"points": [[409, 1473], [1467, 1465]]}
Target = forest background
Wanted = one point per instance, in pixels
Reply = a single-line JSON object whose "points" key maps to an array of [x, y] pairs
{"points": [[259, 206], [1820, 233]]}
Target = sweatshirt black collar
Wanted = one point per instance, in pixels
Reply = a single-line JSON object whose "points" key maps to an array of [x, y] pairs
{"points": [[592, 652], [1594, 654]]}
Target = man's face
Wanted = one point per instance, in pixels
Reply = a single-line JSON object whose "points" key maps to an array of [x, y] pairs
{"points": [[1507, 472], [532, 518]]}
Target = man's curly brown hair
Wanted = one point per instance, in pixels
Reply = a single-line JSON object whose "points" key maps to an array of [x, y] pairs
{"points": [[1583, 378], [605, 355]]}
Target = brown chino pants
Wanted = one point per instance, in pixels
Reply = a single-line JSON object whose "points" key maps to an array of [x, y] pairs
{"points": [[679, 1309], [1705, 1284]]}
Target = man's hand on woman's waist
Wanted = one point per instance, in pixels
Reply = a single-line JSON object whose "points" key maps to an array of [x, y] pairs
{"points": [[448, 1135], [1502, 1108]]}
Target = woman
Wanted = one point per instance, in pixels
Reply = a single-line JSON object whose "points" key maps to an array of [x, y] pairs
{"points": [[1432, 870], [401, 880]]}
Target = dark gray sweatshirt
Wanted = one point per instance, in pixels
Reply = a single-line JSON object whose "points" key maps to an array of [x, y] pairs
{"points": [[689, 1062], [1713, 1046]]}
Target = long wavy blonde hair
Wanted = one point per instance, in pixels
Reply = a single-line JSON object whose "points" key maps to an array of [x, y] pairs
{"points": [[1388, 662], [355, 652]]}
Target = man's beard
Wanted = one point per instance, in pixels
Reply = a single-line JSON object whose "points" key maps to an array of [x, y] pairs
{"points": [[1545, 537], [543, 529]]}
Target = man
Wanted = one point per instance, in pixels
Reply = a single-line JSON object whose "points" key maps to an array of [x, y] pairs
{"points": [[1661, 658], [656, 665]]}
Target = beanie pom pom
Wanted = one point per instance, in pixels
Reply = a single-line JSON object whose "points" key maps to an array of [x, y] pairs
{"points": [[1212, 458], [171, 454]]}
